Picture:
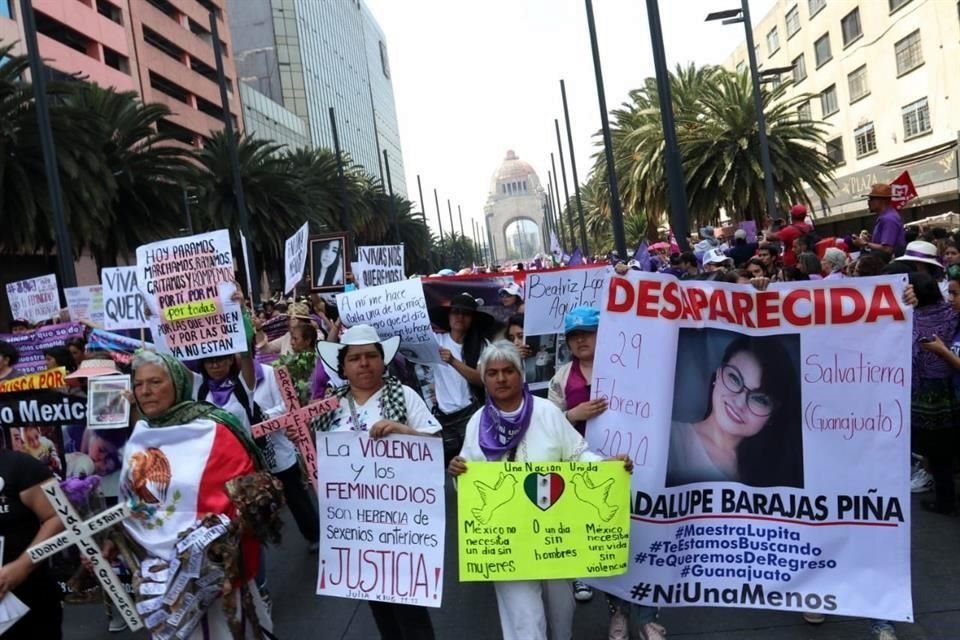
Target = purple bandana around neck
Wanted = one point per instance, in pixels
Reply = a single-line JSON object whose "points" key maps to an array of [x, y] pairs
{"points": [[221, 390], [499, 434]]}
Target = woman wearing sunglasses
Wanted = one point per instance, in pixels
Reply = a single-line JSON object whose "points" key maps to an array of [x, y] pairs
{"points": [[751, 431]]}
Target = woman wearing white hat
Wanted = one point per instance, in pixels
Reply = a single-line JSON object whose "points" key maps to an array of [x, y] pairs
{"points": [[379, 405]]}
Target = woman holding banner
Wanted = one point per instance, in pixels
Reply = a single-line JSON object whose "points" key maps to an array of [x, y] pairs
{"points": [[380, 405], [514, 425]]}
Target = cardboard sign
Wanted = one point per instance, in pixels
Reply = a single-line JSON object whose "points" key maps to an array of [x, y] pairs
{"points": [[85, 304], [543, 520], [34, 300], [122, 302], [381, 518], [378, 265], [49, 379], [31, 344], [295, 258], [550, 295], [397, 309], [812, 475], [187, 283]]}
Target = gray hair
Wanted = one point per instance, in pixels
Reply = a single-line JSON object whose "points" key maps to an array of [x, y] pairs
{"points": [[835, 257], [144, 357], [502, 350]]}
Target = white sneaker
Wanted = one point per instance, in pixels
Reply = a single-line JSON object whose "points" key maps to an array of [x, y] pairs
{"points": [[920, 481], [885, 634], [619, 627], [654, 631], [581, 592]]}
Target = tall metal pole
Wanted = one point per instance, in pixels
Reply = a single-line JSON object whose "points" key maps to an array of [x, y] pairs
{"points": [[476, 241], [761, 118], [566, 193], [616, 211], [676, 187], [573, 170], [238, 193], [68, 274], [436, 201], [450, 211], [423, 209], [556, 191], [344, 215], [460, 213], [186, 209], [394, 222]]}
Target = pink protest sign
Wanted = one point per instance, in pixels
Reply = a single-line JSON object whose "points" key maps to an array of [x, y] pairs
{"points": [[296, 422]]}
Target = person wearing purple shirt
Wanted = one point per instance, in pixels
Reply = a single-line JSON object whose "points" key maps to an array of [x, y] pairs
{"points": [[888, 233]]}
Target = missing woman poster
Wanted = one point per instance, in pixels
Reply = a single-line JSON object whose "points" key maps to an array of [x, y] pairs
{"points": [[771, 437]]}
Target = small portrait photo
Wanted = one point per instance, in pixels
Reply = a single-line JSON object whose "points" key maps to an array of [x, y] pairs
{"points": [[736, 410], [328, 262], [43, 443]]}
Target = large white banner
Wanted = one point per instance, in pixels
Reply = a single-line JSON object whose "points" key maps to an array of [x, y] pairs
{"points": [[382, 518], [771, 438], [295, 257], [397, 309], [550, 294], [378, 265], [35, 300], [122, 302]]}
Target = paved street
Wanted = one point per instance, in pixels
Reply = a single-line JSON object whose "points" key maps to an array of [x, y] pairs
{"points": [[470, 612]]}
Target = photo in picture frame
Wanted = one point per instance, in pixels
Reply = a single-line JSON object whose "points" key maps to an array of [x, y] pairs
{"points": [[329, 262]]}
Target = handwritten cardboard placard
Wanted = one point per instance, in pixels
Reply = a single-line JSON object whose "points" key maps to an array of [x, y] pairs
{"points": [[30, 344], [377, 265], [550, 295], [543, 520], [122, 302], [187, 283], [34, 300], [381, 518], [49, 379], [397, 309], [85, 304], [295, 258]]}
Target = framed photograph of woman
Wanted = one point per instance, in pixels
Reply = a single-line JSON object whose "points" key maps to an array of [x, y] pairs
{"points": [[328, 261]]}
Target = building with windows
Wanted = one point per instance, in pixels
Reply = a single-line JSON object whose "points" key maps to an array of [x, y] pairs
{"points": [[310, 55], [269, 120], [882, 75], [515, 212], [162, 49]]}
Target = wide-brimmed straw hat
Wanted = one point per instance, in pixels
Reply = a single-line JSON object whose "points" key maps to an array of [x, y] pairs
{"points": [[359, 334], [94, 368]]}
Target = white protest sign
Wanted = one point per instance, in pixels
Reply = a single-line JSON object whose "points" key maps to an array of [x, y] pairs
{"points": [[771, 444], [378, 265], [397, 309], [122, 302], [295, 258], [550, 294], [188, 283], [382, 518], [35, 300], [85, 304]]}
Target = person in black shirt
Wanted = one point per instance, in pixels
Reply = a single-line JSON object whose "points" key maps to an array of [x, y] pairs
{"points": [[27, 518]]}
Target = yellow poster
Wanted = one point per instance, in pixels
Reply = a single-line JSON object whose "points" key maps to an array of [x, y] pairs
{"points": [[49, 379], [542, 520]]}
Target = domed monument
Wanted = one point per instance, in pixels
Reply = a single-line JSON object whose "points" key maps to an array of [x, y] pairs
{"points": [[515, 211]]}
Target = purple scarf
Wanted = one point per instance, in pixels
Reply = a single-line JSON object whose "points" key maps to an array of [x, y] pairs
{"points": [[219, 391], [499, 434]]}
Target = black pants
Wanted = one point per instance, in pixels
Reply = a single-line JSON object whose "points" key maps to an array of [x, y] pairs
{"points": [[454, 430], [401, 621], [940, 446], [302, 505], [44, 620]]}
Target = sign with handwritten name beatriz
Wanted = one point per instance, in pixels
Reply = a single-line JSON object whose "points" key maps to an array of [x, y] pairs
{"points": [[381, 518], [550, 295], [542, 520]]}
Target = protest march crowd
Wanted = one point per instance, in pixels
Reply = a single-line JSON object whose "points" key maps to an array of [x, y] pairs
{"points": [[179, 447]]}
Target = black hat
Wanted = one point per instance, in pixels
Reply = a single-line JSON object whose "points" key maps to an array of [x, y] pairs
{"points": [[440, 316]]}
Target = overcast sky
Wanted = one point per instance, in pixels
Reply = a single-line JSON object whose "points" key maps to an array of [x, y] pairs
{"points": [[474, 78]]}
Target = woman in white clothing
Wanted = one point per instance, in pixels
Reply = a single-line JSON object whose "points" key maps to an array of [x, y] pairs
{"points": [[515, 425]]}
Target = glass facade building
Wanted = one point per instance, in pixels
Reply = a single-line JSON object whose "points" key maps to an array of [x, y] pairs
{"points": [[310, 55], [269, 120]]}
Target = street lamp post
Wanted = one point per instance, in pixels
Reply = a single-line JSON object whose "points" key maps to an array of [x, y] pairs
{"points": [[423, 209], [394, 220], [733, 16], [573, 169], [566, 192]]}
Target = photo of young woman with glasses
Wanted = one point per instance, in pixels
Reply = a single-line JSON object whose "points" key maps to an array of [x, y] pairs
{"points": [[751, 431]]}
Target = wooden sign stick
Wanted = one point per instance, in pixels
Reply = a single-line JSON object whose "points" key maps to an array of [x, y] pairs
{"points": [[79, 533]]}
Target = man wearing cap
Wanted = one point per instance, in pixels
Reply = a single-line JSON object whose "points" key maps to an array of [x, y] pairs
{"points": [[741, 251], [888, 232], [511, 297], [797, 228], [715, 260]]}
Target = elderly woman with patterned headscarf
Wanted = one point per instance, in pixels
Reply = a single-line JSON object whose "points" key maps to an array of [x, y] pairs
{"points": [[380, 405], [176, 468]]}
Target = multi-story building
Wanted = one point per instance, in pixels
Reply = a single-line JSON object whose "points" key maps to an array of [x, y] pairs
{"points": [[269, 120], [882, 76], [162, 49], [310, 55]]}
